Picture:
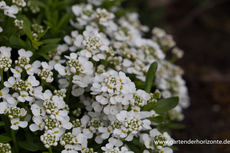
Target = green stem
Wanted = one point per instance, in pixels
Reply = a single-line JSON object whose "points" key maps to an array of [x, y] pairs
{"points": [[174, 58], [23, 74], [69, 89], [43, 84], [2, 80], [14, 140], [50, 150], [6, 121]]}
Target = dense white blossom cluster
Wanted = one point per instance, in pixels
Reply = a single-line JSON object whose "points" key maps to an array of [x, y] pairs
{"points": [[97, 65]]}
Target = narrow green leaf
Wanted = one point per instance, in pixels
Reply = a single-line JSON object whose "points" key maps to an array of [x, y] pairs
{"points": [[26, 28], [157, 119], [7, 123], [50, 41], [2, 123], [50, 86], [139, 84], [63, 21], [21, 33], [44, 55], [39, 3], [28, 42], [43, 33], [29, 135], [163, 105], [175, 125], [150, 76], [23, 43], [5, 139], [27, 145], [47, 48], [48, 23], [55, 16], [76, 105], [36, 44], [49, 16], [14, 40]]}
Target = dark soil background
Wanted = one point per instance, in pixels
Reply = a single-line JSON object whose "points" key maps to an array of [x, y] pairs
{"points": [[202, 29]]}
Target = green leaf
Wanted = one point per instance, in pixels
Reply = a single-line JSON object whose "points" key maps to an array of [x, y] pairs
{"points": [[48, 48], [164, 105], [50, 86], [2, 123], [139, 84], [39, 3], [21, 33], [63, 21], [175, 125], [26, 28], [50, 41], [28, 42], [14, 40], [43, 55], [49, 16], [76, 105], [23, 43], [36, 44], [27, 145], [43, 33], [157, 119], [150, 76], [48, 23], [5, 139], [28, 134]]}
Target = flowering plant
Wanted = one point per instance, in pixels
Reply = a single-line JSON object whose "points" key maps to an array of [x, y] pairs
{"points": [[80, 77]]}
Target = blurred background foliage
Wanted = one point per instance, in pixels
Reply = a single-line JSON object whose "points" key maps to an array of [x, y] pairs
{"points": [[202, 29]]}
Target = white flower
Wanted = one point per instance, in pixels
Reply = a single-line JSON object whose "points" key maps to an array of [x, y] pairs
{"points": [[4, 93], [89, 132], [11, 11], [149, 144], [46, 73], [17, 71], [32, 81], [65, 123], [16, 123], [79, 138], [56, 59], [69, 149], [13, 99], [24, 96], [24, 57], [77, 90], [64, 71], [34, 68], [39, 124], [59, 114], [3, 107], [106, 131], [82, 80], [49, 139], [38, 110], [37, 92], [3, 5]]}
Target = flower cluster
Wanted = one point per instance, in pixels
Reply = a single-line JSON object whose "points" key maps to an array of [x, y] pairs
{"points": [[86, 93]]}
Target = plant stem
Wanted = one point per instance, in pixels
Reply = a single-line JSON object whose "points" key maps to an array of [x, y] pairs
{"points": [[14, 140], [50, 150], [69, 89], [2, 80]]}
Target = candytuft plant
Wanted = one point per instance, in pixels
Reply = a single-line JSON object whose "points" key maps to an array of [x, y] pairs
{"points": [[78, 76]]}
